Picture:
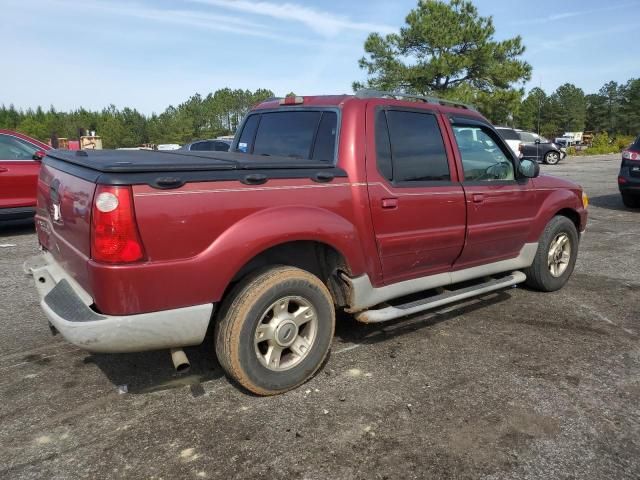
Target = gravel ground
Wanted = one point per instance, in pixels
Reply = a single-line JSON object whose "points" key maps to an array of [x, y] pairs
{"points": [[517, 384]]}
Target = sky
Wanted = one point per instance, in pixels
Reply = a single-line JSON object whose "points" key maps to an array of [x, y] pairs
{"points": [[149, 54]]}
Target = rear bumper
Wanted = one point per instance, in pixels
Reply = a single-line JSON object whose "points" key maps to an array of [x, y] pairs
{"points": [[68, 308]]}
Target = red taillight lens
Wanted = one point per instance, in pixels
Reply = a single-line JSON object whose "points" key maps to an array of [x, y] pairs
{"points": [[622, 180], [114, 232]]}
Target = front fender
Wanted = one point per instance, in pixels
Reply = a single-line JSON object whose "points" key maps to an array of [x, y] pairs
{"points": [[554, 201]]}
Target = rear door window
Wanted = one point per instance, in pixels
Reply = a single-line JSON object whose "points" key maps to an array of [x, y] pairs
{"points": [[295, 134], [527, 137], [413, 143], [508, 133]]}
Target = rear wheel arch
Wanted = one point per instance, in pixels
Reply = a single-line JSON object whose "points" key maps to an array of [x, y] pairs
{"points": [[316, 257]]}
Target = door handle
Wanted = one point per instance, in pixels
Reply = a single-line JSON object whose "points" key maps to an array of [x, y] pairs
{"points": [[2, 169], [389, 203], [478, 198]]}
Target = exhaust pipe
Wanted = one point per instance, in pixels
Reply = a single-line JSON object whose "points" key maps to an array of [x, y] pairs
{"points": [[180, 360]]}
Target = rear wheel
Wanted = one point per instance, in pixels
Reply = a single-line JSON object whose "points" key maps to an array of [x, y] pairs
{"points": [[556, 256], [275, 330], [551, 158], [631, 201]]}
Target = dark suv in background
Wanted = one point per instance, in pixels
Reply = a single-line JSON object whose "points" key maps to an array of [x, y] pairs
{"points": [[629, 176], [535, 147]]}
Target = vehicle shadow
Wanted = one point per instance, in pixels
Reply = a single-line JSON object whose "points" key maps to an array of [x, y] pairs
{"points": [[11, 228], [611, 201], [147, 372], [349, 330]]}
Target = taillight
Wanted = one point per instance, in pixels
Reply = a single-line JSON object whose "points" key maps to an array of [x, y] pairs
{"points": [[114, 232], [629, 155], [622, 180]]}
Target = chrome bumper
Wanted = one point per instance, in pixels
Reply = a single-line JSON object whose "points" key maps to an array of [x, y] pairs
{"points": [[68, 307]]}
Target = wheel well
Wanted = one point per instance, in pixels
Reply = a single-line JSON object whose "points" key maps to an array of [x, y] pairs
{"points": [[571, 215], [318, 258]]}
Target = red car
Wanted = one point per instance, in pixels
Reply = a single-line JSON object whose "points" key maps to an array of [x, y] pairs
{"points": [[20, 157], [380, 206]]}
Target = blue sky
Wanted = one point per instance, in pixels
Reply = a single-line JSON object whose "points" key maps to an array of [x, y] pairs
{"points": [[150, 54]]}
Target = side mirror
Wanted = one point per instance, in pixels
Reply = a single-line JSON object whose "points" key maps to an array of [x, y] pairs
{"points": [[39, 155], [537, 141], [529, 168]]}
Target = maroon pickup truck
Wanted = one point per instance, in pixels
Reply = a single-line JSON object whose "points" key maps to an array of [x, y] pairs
{"points": [[378, 204]]}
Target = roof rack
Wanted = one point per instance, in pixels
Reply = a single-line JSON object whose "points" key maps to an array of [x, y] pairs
{"points": [[371, 93]]}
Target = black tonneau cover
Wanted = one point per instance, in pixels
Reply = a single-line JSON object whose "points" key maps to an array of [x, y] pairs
{"points": [[136, 161], [174, 168]]}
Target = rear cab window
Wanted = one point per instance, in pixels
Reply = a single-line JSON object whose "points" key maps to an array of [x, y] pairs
{"points": [[298, 134]]}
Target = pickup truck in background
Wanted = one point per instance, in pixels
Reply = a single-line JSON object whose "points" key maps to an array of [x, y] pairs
{"points": [[381, 204]]}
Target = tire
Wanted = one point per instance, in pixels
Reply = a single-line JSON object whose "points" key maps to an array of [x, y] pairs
{"points": [[631, 201], [541, 275], [552, 157], [256, 309]]}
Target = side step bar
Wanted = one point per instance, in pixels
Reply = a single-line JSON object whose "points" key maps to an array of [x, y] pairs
{"points": [[393, 312]]}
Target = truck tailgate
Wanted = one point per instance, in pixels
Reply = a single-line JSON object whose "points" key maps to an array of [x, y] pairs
{"points": [[63, 218]]}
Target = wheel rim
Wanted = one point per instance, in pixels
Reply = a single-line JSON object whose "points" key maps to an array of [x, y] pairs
{"points": [[286, 333], [559, 254], [552, 157]]}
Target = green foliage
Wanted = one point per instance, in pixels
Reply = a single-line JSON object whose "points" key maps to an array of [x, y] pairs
{"points": [[603, 144], [614, 110], [447, 49], [218, 113]]}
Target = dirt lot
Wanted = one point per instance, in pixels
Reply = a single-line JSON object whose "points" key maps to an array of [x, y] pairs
{"points": [[515, 385]]}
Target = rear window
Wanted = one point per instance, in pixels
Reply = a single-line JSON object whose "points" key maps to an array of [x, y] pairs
{"points": [[508, 133], [636, 144], [309, 135]]}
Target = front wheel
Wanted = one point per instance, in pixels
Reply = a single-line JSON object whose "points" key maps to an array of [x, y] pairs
{"points": [[555, 257], [275, 330], [551, 158]]}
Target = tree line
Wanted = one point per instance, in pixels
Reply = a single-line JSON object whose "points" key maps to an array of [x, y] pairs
{"points": [[444, 49], [614, 109], [447, 49], [218, 113]]}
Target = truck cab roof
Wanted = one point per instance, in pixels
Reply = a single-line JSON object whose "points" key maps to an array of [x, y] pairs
{"points": [[392, 98]]}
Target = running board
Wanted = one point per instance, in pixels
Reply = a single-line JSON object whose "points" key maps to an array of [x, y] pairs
{"points": [[393, 312]]}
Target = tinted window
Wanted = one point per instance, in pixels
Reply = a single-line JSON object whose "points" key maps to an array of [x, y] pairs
{"points": [[528, 137], [508, 133], [326, 138], [201, 146], [636, 144], [286, 134], [221, 146], [295, 134], [383, 146], [248, 132], [417, 149], [482, 157], [13, 149]]}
